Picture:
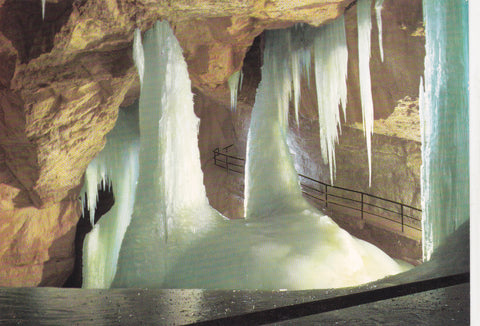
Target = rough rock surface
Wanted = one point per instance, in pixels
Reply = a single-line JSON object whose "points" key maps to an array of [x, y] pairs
{"points": [[61, 83]]}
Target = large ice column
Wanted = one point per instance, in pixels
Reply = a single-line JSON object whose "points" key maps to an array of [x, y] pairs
{"points": [[171, 207], [364, 22], [119, 162], [444, 116], [271, 182], [331, 62]]}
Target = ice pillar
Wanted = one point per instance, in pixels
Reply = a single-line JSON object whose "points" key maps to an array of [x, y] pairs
{"points": [[271, 182], [171, 207], [444, 117]]}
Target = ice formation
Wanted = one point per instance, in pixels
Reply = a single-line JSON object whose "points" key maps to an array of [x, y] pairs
{"points": [[331, 62], [43, 9], [378, 14], [364, 23], [235, 84], [176, 240], [138, 56], [118, 162], [171, 208], [444, 117], [276, 164]]}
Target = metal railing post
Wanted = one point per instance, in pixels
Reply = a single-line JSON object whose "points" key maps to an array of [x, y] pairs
{"points": [[401, 214], [361, 211], [326, 196], [215, 156]]}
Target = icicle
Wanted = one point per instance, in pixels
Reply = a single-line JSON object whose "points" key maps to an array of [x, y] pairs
{"points": [[94, 177], [296, 77], [43, 9], [235, 84], [378, 13], [331, 62], [364, 29], [138, 56]]}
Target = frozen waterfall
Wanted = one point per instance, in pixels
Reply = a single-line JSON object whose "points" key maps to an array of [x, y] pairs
{"points": [[444, 116]]}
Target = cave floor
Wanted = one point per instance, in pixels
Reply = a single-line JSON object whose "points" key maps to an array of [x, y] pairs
{"points": [[384, 302]]}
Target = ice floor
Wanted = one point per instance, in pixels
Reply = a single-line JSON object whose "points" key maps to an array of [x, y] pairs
{"points": [[442, 306]]}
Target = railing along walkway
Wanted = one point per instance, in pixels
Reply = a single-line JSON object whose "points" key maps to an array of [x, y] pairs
{"points": [[388, 213]]}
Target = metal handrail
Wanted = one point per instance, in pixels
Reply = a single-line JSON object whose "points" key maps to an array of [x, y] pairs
{"points": [[322, 194]]}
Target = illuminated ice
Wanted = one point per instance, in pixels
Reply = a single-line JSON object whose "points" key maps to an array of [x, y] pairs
{"points": [[378, 14], [364, 23], [138, 56], [331, 62], [176, 240], [118, 162], [235, 85], [444, 116], [171, 208], [43, 9]]}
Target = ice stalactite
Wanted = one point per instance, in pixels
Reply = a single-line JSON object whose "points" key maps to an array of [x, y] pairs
{"points": [[235, 85], [364, 23], [138, 55], [171, 208], [331, 62], [118, 162], [444, 116], [95, 177], [378, 14], [43, 9]]}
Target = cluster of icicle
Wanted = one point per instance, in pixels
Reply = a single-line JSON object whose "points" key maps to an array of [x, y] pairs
{"points": [[174, 238], [116, 166], [327, 45]]}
